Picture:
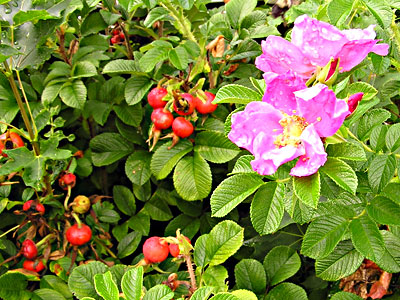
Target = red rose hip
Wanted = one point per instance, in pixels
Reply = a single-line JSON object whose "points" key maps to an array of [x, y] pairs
{"points": [[32, 265], [182, 127], [32, 205], [10, 140], [68, 179], [161, 119], [155, 250], [155, 97], [206, 107], [184, 104], [78, 236], [29, 249], [174, 248]]}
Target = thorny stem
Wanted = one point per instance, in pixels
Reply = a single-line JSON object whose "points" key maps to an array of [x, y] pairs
{"points": [[189, 265], [177, 16], [61, 48]]}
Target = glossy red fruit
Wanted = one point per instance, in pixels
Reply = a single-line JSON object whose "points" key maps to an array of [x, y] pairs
{"points": [[161, 119], [155, 250], [67, 179], [155, 97], [29, 249], [10, 140], [206, 107], [31, 204], [185, 105], [182, 127], [115, 39], [122, 35], [174, 248], [79, 236], [115, 32], [33, 265]]}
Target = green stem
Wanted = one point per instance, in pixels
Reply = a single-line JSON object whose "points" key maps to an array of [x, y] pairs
{"points": [[20, 132], [105, 247], [78, 221], [356, 138], [180, 19], [292, 234], [24, 115], [67, 198], [8, 231], [44, 240], [126, 40]]}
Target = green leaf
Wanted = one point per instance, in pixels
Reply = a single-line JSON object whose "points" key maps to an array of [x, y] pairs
{"points": [[347, 151], [281, 263], [21, 157], [129, 244], [7, 51], [215, 147], [267, 208], [14, 287], [250, 275], [384, 211], [224, 296], [31, 16], [158, 209], [105, 286], [242, 165], [307, 189], [192, 178], [377, 138], [223, 241], [122, 66], [362, 108], [129, 114], [390, 260], [159, 292], [73, 94], [48, 294], [84, 69], [188, 225], [381, 171], [287, 291], [154, 15], [202, 293], [381, 11], [109, 17], [339, 10], [367, 238], [108, 148], [153, 57], [55, 283], [232, 191], [81, 280], [199, 253], [140, 223], [164, 159], [391, 191], [124, 199], [393, 138], [234, 93], [369, 120], [345, 296], [237, 10], [341, 173], [179, 58], [244, 295], [216, 277], [322, 236], [135, 89], [132, 283], [363, 87], [340, 263], [137, 167]]}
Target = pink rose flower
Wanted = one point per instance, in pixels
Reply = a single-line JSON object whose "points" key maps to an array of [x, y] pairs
{"points": [[313, 44], [276, 133]]}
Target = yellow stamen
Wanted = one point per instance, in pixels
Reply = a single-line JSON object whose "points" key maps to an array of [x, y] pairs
{"points": [[293, 127]]}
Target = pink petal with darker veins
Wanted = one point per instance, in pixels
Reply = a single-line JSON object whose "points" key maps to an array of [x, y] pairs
{"points": [[314, 157], [280, 88], [319, 106]]}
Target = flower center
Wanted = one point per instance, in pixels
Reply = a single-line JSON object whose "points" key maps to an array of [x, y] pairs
{"points": [[293, 127]]}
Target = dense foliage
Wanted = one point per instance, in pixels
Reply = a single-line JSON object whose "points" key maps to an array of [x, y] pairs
{"points": [[118, 179]]}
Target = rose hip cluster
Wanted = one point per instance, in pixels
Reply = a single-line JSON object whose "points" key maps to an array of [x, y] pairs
{"points": [[184, 105], [117, 36], [156, 249]]}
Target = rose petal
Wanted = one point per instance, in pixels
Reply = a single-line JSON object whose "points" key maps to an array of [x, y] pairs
{"points": [[280, 88], [318, 40], [354, 52], [360, 34], [314, 157], [319, 106], [280, 56], [258, 117], [267, 160]]}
